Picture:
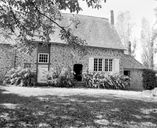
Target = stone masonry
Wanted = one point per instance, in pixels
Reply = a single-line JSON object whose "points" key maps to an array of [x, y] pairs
{"points": [[6, 59]]}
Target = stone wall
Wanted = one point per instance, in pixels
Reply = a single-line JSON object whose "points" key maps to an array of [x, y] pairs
{"points": [[65, 56], [23, 58], [11, 58], [6, 59]]}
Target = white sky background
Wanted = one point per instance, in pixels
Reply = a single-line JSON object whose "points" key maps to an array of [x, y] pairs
{"points": [[137, 8]]}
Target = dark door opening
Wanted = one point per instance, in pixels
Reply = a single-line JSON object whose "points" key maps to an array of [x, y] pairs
{"points": [[78, 72], [127, 73]]}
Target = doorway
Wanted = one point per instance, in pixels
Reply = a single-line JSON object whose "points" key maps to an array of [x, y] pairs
{"points": [[78, 72], [127, 73], [42, 73]]}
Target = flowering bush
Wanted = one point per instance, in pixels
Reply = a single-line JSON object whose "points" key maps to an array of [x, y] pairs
{"points": [[101, 80], [20, 77]]}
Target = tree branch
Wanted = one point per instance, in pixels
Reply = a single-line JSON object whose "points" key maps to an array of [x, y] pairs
{"points": [[48, 17]]}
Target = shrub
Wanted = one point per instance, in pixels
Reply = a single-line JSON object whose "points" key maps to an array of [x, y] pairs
{"points": [[20, 77], [61, 79], [149, 79], [102, 80], [52, 77]]}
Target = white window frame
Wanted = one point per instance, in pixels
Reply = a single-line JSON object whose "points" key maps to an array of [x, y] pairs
{"points": [[43, 54], [109, 64], [98, 65], [110, 68]]}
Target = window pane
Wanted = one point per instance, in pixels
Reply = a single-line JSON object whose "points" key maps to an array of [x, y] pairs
{"points": [[100, 64], [43, 58], [106, 65], [95, 64], [110, 64]]}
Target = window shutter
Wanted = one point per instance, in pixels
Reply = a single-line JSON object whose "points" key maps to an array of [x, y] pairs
{"points": [[116, 66], [91, 64]]}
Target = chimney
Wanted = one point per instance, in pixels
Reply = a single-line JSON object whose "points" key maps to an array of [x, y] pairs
{"points": [[129, 48], [112, 17]]}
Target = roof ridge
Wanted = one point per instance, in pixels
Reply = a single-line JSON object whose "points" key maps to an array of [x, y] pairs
{"points": [[86, 16]]}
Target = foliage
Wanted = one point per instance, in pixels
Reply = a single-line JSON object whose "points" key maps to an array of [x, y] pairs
{"points": [[94, 80], [149, 79], [20, 77], [61, 79], [64, 78], [27, 19], [101, 80], [66, 82]]}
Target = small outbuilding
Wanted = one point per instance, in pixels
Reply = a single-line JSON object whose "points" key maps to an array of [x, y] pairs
{"points": [[133, 69]]}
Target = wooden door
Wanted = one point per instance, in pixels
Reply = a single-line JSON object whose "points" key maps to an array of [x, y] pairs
{"points": [[42, 73]]}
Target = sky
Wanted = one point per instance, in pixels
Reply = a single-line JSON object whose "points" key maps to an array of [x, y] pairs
{"points": [[137, 8]]}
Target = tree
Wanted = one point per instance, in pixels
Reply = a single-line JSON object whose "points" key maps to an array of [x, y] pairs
{"points": [[27, 19], [124, 27], [147, 38]]}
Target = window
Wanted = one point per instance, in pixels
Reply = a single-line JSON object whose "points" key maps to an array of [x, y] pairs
{"points": [[27, 65], [43, 58], [97, 64], [102, 64], [108, 65]]}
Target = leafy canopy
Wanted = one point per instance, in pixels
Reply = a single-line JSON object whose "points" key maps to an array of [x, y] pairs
{"points": [[27, 19]]}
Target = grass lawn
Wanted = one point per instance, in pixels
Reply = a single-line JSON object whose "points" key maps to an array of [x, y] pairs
{"points": [[22, 107]]}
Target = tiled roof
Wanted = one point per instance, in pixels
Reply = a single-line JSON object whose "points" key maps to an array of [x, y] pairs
{"points": [[129, 62], [97, 32]]}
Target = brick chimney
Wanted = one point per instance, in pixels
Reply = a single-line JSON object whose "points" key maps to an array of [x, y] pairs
{"points": [[129, 47], [112, 17]]}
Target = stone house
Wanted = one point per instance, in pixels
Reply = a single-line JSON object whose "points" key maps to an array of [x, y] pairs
{"points": [[104, 51]]}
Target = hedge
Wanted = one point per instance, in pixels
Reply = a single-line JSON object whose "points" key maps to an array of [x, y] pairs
{"points": [[149, 79]]}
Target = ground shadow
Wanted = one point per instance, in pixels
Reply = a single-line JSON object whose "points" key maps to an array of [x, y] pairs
{"points": [[74, 111]]}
